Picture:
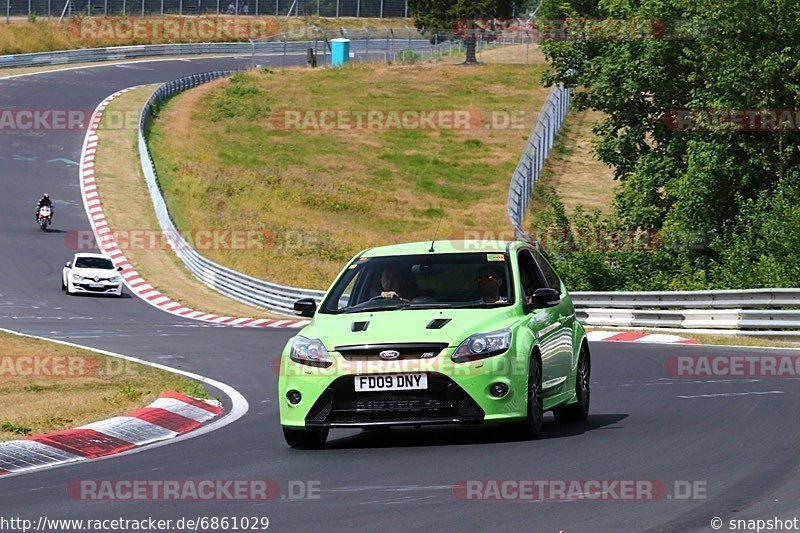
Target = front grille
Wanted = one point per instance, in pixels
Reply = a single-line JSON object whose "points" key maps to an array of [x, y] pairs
{"points": [[97, 289], [370, 352], [442, 401]]}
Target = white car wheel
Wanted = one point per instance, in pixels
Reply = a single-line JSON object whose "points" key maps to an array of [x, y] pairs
{"points": [[69, 288]]}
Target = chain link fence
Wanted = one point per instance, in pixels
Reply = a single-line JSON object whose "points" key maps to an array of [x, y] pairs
{"points": [[299, 8], [541, 140]]}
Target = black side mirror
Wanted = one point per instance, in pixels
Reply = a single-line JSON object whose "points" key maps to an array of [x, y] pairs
{"points": [[543, 298], [306, 307], [119, 269], [68, 264]]}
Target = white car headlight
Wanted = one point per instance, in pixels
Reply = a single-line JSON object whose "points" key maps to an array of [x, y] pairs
{"points": [[77, 277], [310, 352], [483, 345]]}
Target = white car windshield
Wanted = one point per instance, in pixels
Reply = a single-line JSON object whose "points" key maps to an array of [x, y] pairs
{"points": [[94, 262]]}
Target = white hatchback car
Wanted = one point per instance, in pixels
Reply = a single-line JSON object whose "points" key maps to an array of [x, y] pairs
{"points": [[91, 274]]}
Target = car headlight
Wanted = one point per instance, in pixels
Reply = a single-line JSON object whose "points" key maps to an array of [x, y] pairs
{"points": [[77, 277], [114, 279], [310, 352], [483, 345]]}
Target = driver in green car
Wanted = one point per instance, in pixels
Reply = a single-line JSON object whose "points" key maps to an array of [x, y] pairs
{"points": [[490, 280], [397, 283]]}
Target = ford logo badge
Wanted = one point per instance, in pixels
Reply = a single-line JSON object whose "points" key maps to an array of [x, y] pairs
{"points": [[389, 354]]}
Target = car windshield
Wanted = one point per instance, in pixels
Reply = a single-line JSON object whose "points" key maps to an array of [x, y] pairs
{"points": [[461, 280], [94, 262]]}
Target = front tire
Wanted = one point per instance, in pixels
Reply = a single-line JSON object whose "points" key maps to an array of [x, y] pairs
{"points": [[579, 411], [307, 439], [69, 291], [531, 427]]}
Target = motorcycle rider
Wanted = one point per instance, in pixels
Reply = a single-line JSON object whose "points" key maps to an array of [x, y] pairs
{"points": [[45, 201]]}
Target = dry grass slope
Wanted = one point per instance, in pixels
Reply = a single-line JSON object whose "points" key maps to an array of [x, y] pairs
{"points": [[328, 194], [96, 387]]}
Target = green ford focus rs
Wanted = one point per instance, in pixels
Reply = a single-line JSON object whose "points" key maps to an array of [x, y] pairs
{"points": [[449, 332]]}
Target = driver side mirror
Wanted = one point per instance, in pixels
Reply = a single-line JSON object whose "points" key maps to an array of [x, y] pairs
{"points": [[119, 269], [306, 307], [542, 299], [68, 264]]}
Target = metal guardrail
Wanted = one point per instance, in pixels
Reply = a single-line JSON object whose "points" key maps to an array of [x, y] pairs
{"points": [[241, 287], [750, 311], [541, 140], [114, 53]]}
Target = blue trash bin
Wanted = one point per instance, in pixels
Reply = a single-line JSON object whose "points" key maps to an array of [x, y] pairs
{"points": [[340, 51]]}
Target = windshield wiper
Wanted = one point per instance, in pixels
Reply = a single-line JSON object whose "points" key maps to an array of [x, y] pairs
{"points": [[430, 305], [480, 305], [374, 307]]}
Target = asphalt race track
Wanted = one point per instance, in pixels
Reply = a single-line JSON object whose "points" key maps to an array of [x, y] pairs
{"points": [[735, 438]]}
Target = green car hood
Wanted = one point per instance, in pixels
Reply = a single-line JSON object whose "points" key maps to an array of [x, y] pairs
{"points": [[401, 326]]}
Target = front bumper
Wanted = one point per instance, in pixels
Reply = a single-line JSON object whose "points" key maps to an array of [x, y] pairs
{"points": [[456, 393], [104, 288]]}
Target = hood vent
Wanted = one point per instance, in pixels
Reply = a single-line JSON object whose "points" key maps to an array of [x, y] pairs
{"points": [[359, 326], [437, 323]]}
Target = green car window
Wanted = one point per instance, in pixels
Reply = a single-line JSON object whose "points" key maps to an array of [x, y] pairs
{"points": [[453, 280]]}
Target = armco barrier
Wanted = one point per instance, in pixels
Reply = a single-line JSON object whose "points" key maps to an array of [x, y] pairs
{"points": [[241, 287], [116, 53], [751, 311]]}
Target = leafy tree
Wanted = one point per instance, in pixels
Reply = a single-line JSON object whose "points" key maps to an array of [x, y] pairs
{"points": [[720, 183], [433, 15]]}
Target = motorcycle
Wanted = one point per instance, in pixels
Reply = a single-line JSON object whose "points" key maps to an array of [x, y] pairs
{"points": [[45, 217]]}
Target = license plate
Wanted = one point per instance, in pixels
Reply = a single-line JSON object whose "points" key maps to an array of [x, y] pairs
{"points": [[381, 382], [96, 285]]}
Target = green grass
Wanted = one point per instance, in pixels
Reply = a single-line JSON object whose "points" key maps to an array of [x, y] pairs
{"points": [[223, 163]]}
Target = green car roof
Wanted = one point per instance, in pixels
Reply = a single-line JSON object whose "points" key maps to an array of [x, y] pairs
{"points": [[443, 247]]}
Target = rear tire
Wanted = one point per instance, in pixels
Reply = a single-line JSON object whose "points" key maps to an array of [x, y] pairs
{"points": [[531, 427], [579, 411], [307, 439]]}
